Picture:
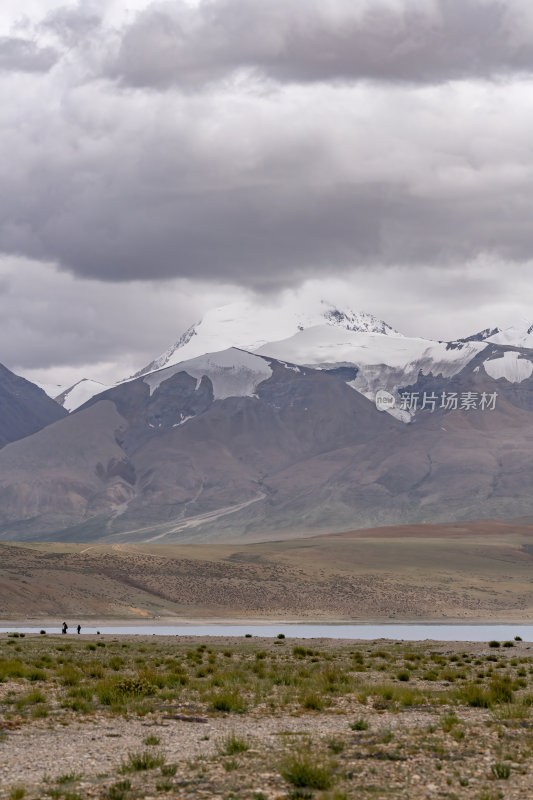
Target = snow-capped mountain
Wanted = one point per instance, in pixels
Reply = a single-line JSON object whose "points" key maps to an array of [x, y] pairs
{"points": [[75, 396], [250, 325], [518, 335], [367, 352]]}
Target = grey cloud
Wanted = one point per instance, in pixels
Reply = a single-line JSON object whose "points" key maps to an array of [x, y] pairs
{"points": [[24, 55], [72, 24], [262, 189], [267, 235], [173, 44]]}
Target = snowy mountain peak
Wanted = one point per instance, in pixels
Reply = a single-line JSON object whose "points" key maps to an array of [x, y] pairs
{"points": [[518, 335], [360, 322], [251, 324], [481, 336]]}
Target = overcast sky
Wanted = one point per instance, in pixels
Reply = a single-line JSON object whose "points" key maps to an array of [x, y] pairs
{"points": [[159, 158]]}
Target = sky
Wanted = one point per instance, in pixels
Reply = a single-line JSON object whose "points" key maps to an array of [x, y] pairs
{"points": [[162, 158]]}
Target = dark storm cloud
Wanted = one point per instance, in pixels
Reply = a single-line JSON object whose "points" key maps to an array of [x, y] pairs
{"points": [[24, 55], [173, 44], [267, 185], [268, 235]]}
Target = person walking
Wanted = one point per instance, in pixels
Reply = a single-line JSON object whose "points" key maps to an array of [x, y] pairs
{"points": [[64, 628], [79, 629]]}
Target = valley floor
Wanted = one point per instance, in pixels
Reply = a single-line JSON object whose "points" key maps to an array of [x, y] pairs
{"points": [[475, 571]]}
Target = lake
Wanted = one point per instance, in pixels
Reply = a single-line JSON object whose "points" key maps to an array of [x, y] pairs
{"points": [[413, 633]]}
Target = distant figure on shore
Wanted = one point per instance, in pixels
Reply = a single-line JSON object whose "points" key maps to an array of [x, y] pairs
{"points": [[64, 629], [79, 628]]}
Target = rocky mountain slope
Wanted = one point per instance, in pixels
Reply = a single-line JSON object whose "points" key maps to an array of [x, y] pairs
{"points": [[24, 408], [236, 445]]}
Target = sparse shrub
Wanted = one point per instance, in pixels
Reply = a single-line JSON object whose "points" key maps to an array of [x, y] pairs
{"points": [[36, 674], [39, 712], [69, 777], [518, 638], [335, 746], [118, 790], [303, 769], [228, 701], [169, 770], [145, 760], [404, 676], [312, 702], [474, 695], [494, 643], [69, 676], [232, 744], [449, 721], [501, 770], [359, 725], [281, 635], [17, 793], [500, 689], [135, 686], [164, 786], [151, 740], [508, 644]]}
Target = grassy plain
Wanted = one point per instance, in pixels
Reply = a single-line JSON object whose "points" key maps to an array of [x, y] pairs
{"points": [[121, 718], [461, 571]]}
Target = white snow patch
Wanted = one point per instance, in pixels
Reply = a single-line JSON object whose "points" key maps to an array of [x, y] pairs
{"points": [[233, 372], [324, 344], [183, 421], [510, 366], [518, 335], [78, 394]]}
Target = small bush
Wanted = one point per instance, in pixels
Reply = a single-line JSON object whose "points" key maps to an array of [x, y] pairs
{"points": [[134, 686], [359, 725], [232, 744], [475, 696], [42, 632], [281, 635], [228, 702], [151, 740], [303, 769], [69, 777], [500, 689], [17, 793], [312, 702], [494, 643], [118, 790], [501, 771], [139, 762], [169, 770]]}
